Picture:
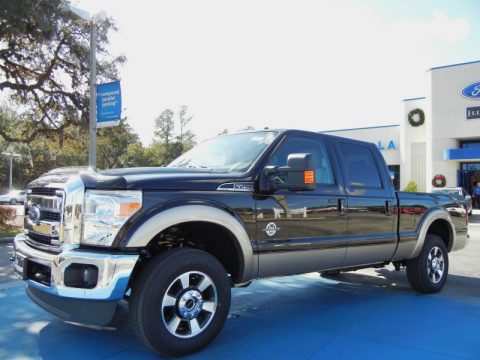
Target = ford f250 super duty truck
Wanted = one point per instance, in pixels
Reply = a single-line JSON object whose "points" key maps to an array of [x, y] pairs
{"points": [[172, 241]]}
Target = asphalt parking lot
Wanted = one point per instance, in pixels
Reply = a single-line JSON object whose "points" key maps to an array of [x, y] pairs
{"points": [[364, 314]]}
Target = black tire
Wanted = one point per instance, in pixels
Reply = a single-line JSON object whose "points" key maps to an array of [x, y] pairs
{"points": [[329, 273], [422, 276], [13, 202], [162, 280], [470, 213]]}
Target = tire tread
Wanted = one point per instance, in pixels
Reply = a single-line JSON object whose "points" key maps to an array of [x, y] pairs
{"points": [[417, 276], [144, 282]]}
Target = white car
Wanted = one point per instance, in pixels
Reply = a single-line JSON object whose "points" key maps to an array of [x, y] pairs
{"points": [[14, 197]]}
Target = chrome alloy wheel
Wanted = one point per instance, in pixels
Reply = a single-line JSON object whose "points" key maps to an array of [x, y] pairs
{"points": [[189, 304], [435, 265]]}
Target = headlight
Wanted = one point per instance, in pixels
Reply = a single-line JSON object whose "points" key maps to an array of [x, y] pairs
{"points": [[106, 212]]}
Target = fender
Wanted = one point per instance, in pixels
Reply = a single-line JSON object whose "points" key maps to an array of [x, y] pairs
{"points": [[187, 213], [430, 216]]}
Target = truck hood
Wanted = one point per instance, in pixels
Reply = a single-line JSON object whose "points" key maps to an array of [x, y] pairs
{"points": [[162, 178]]}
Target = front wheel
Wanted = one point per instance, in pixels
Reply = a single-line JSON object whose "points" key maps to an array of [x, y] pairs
{"points": [[428, 272], [180, 301], [13, 202]]}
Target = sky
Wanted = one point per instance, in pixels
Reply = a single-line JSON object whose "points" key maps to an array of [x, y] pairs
{"points": [[305, 64]]}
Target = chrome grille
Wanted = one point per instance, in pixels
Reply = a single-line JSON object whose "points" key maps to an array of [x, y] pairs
{"points": [[43, 216], [56, 201], [43, 191], [50, 216], [42, 239]]}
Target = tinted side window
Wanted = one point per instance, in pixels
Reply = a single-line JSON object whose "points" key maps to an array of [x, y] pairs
{"points": [[323, 169], [360, 165]]}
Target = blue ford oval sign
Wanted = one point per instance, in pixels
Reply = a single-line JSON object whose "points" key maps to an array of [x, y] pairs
{"points": [[472, 91]]}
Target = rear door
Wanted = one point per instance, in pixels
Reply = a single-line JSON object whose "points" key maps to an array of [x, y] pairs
{"points": [[372, 235], [303, 231]]}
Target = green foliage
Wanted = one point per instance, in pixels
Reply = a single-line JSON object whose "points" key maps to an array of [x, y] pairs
{"points": [[112, 145], [164, 126], [168, 144], [44, 66], [117, 147], [69, 148], [44, 81], [411, 187]]}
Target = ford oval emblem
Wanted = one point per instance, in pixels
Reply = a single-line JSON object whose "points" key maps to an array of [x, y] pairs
{"points": [[34, 213], [472, 91]]}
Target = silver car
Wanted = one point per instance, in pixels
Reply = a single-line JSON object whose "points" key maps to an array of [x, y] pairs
{"points": [[14, 197], [458, 193]]}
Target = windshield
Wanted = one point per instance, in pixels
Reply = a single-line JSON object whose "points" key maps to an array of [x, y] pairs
{"points": [[228, 153]]}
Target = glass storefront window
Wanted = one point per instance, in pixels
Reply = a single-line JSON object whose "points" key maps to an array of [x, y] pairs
{"points": [[470, 144], [395, 175], [469, 166]]}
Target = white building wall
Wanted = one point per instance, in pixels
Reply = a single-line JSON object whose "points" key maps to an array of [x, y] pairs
{"points": [[411, 135], [448, 108]]}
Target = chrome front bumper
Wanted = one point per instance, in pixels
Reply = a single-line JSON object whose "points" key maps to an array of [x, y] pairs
{"points": [[114, 270]]}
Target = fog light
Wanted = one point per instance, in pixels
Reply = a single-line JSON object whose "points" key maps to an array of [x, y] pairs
{"points": [[81, 276]]}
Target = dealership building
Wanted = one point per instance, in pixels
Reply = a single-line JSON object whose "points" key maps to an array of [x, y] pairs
{"points": [[438, 141]]}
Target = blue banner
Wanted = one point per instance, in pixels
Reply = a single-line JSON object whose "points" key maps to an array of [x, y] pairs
{"points": [[109, 104]]}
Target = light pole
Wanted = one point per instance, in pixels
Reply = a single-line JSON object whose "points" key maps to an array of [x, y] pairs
{"points": [[12, 155], [85, 17], [92, 126]]}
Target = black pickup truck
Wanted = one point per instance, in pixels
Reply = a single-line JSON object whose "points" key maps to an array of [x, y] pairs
{"points": [[172, 241]]}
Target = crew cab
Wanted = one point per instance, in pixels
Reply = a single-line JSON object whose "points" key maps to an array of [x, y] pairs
{"points": [[172, 241]]}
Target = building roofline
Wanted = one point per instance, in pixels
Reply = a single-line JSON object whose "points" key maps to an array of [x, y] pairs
{"points": [[360, 128], [452, 65], [415, 98]]}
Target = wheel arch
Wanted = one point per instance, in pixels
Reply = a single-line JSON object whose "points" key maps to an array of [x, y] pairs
{"points": [[439, 222], [194, 215]]}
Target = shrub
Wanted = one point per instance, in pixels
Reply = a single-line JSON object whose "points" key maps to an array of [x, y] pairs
{"points": [[411, 187], [7, 214]]}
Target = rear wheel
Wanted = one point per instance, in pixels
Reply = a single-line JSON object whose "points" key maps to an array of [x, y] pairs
{"points": [[428, 272], [180, 301], [13, 202]]}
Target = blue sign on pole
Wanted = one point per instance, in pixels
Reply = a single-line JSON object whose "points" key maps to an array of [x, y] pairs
{"points": [[109, 104]]}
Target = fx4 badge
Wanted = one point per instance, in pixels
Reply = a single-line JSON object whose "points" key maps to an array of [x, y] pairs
{"points": [[271, 229]]}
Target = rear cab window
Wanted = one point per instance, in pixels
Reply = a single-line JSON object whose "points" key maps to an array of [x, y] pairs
{"points": [[360, 165]]}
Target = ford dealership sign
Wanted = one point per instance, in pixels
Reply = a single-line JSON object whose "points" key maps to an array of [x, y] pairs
{"points": [[472, 91]]}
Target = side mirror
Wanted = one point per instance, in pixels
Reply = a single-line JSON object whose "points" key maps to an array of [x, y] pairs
{"points": [[298, 175]]}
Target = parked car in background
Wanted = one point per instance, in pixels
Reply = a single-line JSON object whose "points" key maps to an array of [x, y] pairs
{"points": [[14, 197], [458, 193]]}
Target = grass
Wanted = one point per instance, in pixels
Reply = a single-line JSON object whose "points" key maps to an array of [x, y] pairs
{"points": [[11, 232]]}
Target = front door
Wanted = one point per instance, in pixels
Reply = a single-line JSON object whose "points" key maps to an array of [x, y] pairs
{"points": [[302, 231]]}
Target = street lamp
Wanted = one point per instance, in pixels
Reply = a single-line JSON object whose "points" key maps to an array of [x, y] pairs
{"points": [[85, 17], [12, 155]]}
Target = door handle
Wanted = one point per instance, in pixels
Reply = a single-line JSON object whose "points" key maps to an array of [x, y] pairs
{"points": [[340, 207], [388, 208]]}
